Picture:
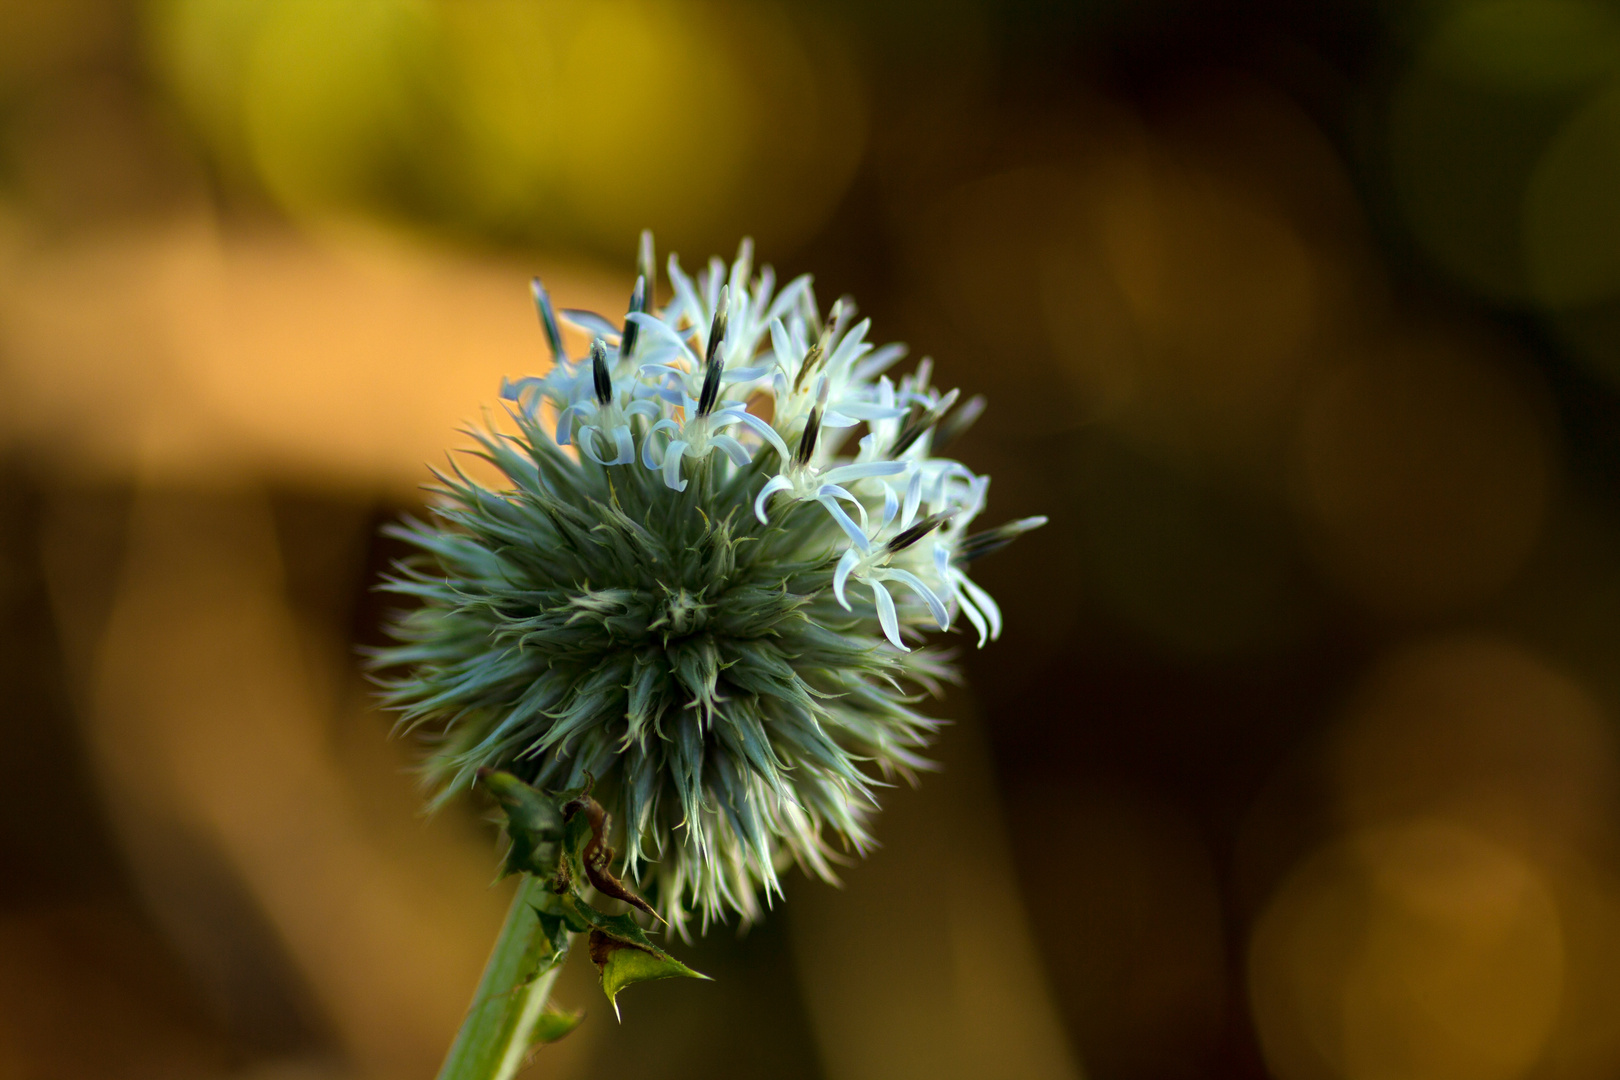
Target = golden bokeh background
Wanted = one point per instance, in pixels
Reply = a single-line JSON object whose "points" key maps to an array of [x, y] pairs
{"points": [[1299, 757]]}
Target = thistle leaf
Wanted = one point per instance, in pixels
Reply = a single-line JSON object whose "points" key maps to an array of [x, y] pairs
{"points": [[532, 822], [554, 1024], [622, 964]]}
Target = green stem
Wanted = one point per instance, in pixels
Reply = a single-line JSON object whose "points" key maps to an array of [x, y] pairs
{"points": [[498, 1032]]}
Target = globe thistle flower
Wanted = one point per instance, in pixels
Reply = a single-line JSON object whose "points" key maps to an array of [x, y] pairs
{"points": [[704, 584]]}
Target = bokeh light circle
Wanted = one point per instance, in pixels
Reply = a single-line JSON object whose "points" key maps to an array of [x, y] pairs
{"points": [[1419, 951]]}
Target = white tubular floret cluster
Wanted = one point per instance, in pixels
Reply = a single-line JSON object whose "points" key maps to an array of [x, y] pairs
{"points": [[736, 366]]}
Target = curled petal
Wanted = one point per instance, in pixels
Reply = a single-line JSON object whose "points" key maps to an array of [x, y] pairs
{"points": [[857, 535], [985, 603], [841, 576], [887, 616], [672, 465], [587, 444], [975, 617], [732, 449], [913, 497], [772, 486], [942, 617], [565, 420], [891, 506], [648, 445], [826, 493], [625, 445], [762, 429], [525, 392]]}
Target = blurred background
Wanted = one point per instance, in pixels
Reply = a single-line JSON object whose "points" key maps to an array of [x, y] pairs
{"points": [[1300, 320]]}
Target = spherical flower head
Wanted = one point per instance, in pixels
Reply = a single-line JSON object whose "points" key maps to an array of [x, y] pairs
{"points": [[703, 583]]}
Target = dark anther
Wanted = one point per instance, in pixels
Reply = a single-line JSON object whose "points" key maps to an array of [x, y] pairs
{"points": [[953, 425], [919, 530], [548, 318], [807, 441], [918, 421], [638, 304], [714, 363], [812, 428], [710, 394], [599, 372], [983, 543]]}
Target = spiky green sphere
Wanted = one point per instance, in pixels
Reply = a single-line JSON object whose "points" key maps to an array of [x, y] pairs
{"points": [[684, 589]]}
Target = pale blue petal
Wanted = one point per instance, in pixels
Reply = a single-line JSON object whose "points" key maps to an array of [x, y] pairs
{"points": [[732, 449], [652, 371], [861, 410], [650, 444], [565, 420], [783, 348], [941, 615], [841, 576], [887, 617], [672, 465], [851, 348], [857, 535], [827, 492], [767, 284], [686, 297], [591, 322], [587, 444], [913, 497], [772, 486], [788, 297], [662, 331], [879, 362], [974, 617], [985, 603], [626, 445], [712, 281], [843, 474], [764, 431]]}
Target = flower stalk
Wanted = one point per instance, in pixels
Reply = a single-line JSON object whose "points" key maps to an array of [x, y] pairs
{"points": [[500, 1029]]}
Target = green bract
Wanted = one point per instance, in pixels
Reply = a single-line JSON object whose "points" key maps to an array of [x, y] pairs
{"points": [[686, 587]]}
